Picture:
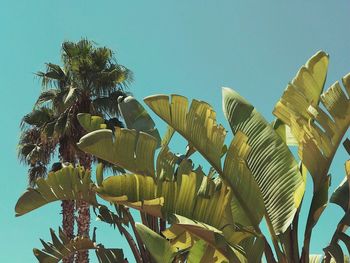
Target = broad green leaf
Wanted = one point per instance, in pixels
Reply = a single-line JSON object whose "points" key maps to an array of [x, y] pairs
{"points": [[201, 230], [137, 118], [159, 248], [270, 161], [304, 90], [214, 237], [254, 249], [197, 124], [246, 190], [66, 184], [179, 237], [168, 136], [136, 191], [91, 123], [126, 148], [318, 132], [99, 174], [62, 247], [166, 160], [201, 252], [164, 198], [166, 164]]}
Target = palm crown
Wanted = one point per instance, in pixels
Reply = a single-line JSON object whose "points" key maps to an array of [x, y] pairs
{"points": [[91, 81]]}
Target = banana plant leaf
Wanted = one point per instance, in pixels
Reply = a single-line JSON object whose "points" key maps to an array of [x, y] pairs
{"points": [[179, 237], [270, 161], [246, 190], [203, 231], [165, 198], [196, 124], [166, 249], [126, 148], [254, 249], [69, 183], [61, 247], [318, 131], [91, 123], [220, 249], [137, 118], [201, 252], [160, 248], [166, 160]]}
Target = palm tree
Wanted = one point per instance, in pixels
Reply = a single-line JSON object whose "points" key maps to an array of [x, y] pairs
{"points": [[89, 81], [36, 149]]}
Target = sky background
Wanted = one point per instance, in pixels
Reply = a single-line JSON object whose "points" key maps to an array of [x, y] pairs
{"points": [[192, 48]]}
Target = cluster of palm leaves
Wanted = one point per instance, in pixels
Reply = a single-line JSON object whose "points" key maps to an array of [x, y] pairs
{"points": [[91, 81], [190, 215]]}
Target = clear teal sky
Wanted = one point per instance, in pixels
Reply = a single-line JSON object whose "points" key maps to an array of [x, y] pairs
{"points": [[186, 47]]}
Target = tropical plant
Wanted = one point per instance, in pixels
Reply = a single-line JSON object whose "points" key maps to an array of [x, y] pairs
{"points": [[89, 81], [216, 216]]}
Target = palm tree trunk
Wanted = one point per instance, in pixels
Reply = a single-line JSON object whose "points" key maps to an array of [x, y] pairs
{"points": [[83, 222], [67, 205], [68, 223], [83, 219]]}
